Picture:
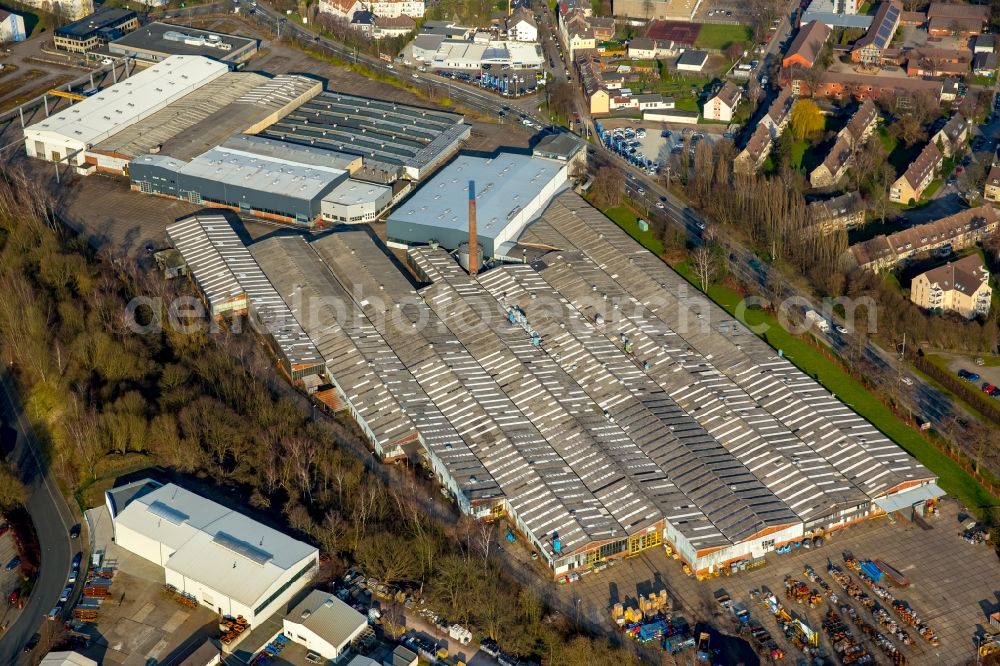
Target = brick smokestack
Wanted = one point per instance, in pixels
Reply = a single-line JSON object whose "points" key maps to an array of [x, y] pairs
{"points": [[473, 243]]}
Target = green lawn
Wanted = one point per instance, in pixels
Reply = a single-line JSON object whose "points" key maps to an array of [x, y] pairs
{"points": [[687, 104], [713, 36], [810, 360], [799, 149], [931, 189], [627, 220]]}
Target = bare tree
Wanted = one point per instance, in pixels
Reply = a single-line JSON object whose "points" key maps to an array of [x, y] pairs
{"points": [[705, 266]]}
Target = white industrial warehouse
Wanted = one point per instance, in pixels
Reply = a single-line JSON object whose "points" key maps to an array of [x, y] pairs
{"points": [[511, 191], [223, 559], [66, 136]]}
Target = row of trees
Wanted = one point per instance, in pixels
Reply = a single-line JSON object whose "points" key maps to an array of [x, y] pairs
{"points": [[210, 404]]}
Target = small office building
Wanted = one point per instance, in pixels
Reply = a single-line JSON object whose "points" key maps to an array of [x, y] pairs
{"points": [[157, 41], [105, 25]]}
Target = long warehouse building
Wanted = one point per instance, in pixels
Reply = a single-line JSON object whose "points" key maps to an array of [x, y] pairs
{"points": [[587, 396], [66, 136]]}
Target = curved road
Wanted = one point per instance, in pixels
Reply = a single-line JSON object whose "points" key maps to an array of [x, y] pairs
{"points": [[52, 519]]}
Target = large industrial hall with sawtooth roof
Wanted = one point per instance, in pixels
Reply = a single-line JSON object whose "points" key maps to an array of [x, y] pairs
{"points": [[590, 395]]}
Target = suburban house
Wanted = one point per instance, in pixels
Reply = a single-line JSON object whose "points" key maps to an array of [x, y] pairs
{"points": [[578, 35], [984, 44], [870, 49], [961, 286], [521, 26], [779, 113], [393, 26], [843, 85], [394, 8], [925, 61], [861, 125], [834, 167], [692, 61], [652, 102], [911, 185], [960, 230], [723, 103], [752, 157], [958, 19], [344, 9], [954, 136], [991, 191], [846, 211], [805, 49], [645, 48], [364, 22], [603, 27], [984, 64]]}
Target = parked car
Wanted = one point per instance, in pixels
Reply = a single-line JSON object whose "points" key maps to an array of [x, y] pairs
{"points": [[76, 560], [841, 330], [988, 388], [71, 578], [74, 532], [32, 642], [907, 381], [67, 591], [4, 528], [13, 564], [54, 613]]}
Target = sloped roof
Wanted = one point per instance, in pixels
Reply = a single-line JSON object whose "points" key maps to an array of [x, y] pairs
{"points": [[861, 119], [729, 93], [965, 275], [926, 161], [809, 42]]}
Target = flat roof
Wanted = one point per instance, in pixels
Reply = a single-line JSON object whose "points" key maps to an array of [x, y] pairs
{"points": [[166, 38], [129, 101], [104, 17], [504, 183], [351, 192], [383, 131], [225, 550], [286, 176]]}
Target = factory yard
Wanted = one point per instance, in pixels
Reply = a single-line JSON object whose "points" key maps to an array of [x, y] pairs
{"points": [[954, 585], [138, 622]]}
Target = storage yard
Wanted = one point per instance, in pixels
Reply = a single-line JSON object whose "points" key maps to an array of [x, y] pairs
{"points": [[944, 597]]}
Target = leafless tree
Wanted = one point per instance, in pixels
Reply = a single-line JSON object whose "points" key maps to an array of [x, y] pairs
{"points": [[705, 266]]}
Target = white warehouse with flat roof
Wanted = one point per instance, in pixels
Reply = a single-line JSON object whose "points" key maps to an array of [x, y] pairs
{"points": [[67, 135], [223, 559], [512, 189]]}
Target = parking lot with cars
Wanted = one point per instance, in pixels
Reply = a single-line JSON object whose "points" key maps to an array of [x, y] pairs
{"points": [[10, 577], [648, 146]]}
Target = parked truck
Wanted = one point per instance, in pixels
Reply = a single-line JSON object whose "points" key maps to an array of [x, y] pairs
{"points": [[814, 318]]}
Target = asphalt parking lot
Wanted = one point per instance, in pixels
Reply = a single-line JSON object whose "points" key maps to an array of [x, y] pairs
{"points": [[654, 145], [955, 585]]}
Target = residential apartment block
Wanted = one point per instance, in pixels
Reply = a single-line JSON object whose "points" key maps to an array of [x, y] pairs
{"points": [[957, 231], [961, 286], [723, 103], [911, 185]]}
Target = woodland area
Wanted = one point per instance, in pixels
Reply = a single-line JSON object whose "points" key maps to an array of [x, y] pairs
{"points": [[211, 405]]}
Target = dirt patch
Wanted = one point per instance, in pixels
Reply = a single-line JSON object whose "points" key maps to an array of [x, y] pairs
{"points": [[11, 85], [26, 94]]}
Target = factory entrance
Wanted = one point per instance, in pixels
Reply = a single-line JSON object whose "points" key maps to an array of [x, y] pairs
{"points": [[642, 542]]}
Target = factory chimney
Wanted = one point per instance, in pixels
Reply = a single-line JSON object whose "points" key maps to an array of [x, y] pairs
{"points": [[473, 243]]}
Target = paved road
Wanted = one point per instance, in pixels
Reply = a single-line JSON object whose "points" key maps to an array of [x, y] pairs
{"points": [[52, 518]]}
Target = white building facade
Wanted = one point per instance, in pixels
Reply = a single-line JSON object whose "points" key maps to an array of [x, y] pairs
{"points": [[222, 559]]}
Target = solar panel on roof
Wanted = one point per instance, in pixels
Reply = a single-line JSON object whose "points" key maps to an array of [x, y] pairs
{"points": [[168, 513], [240, 547]]}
